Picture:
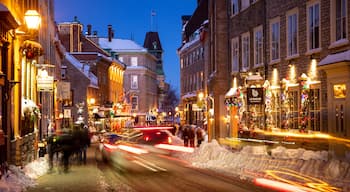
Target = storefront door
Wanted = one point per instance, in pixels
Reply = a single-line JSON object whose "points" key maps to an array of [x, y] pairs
{"points": [[339, 117]]}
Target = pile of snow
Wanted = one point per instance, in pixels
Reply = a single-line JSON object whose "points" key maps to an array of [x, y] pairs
{"points": [[283, 153], [257, 159], [17, 179]]}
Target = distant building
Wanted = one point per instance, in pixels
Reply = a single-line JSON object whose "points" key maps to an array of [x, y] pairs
{"points": [[153, 45], [95, 77], [193, 60], [140, 77]]}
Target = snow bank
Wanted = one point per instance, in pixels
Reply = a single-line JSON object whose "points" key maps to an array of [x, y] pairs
{"points": [[256, 159], [284, 153], [18, 179]]}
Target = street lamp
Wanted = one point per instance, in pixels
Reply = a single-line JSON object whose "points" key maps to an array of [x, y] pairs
{"points": [[32, 19]]}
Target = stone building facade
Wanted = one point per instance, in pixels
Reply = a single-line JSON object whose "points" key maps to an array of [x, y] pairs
{"points": [[140, 77], [291, 54], [25, 54]]}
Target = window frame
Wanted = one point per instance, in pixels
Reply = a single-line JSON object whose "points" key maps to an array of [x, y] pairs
{"points": [[134, 61], [276, 41], [137, 102], [312, 45], [333, 20], [235, 54], [134, 84], [258, 46], [245, 57], [290, 52], [234, 11]]}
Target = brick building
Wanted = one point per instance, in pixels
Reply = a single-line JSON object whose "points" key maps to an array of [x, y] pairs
{"points": [[288, 60], [95, 77]]}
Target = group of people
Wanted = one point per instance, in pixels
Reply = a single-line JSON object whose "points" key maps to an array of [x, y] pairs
{"points": [[68, 142], [190, 134]]}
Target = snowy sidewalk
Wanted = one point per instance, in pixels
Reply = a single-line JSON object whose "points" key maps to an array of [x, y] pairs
{"points": [[79, 178]]}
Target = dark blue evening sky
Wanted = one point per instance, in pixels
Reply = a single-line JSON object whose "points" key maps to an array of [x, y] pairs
{"points": [[132, 19]]}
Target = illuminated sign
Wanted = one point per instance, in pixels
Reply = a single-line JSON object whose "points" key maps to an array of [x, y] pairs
{"points": [[339, 91], [255, 95], [44, 81]]}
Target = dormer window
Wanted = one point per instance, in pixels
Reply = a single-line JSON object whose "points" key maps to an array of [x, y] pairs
{"points": [[154, 45]]}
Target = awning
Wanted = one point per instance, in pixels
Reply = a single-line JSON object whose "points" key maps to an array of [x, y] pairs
{"points": [[335, 58], [233, 92], [6, 18], [254, 78]]}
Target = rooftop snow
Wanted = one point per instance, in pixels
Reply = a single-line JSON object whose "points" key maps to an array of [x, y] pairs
{"points": [[121, 45]]}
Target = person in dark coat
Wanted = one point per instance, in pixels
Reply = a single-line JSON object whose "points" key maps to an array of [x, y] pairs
{"points": [[199, 135], [191, 136], [66, 143], [85, 143], [52, 148], [185, 136]]}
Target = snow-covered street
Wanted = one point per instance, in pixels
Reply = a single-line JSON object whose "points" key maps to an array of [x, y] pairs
{"points": [[312, 169]]}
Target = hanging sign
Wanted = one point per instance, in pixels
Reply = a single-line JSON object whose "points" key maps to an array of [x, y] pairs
{"points": [[255, 95], [44, 81], [63, 90]]}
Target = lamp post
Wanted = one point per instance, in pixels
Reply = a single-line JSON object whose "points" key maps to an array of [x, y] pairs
{"points": [[32, 19], [31, 50]]}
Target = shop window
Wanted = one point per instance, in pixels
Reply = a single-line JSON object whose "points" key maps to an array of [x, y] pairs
{"points": [[339, 91], [293, 111], [315, 113], [275, 106]]}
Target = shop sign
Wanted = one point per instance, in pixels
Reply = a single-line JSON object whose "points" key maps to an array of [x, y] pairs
{"points": [[45, 84], [255, 96], [67, 113], [63, 90]]}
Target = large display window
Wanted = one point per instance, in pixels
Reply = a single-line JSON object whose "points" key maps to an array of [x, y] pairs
{"points": [[293, 108], [314, 108]]}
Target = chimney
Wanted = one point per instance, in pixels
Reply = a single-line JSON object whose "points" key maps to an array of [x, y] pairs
{"points": [[110, 33], [89, 29]]}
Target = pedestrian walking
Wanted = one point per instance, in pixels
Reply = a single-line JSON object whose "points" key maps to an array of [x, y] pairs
{"points": [[51, 149], [185, 135], [191, 136], [85, 143], [66, 144], [199, 135]]}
